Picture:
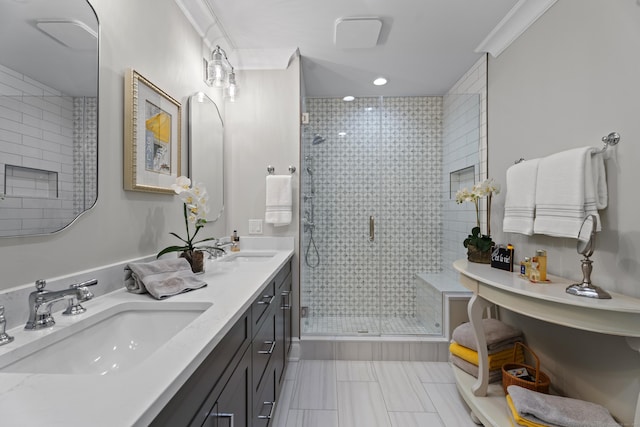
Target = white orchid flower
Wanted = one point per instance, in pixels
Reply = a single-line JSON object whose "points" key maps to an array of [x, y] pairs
{"points": [[182, 184]]}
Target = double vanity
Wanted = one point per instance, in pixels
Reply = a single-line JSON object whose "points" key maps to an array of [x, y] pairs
{"points": [[212, 356]]}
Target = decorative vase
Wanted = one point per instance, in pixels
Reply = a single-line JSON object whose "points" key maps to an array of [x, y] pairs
{"points": [[196, 259], [476, 255]]}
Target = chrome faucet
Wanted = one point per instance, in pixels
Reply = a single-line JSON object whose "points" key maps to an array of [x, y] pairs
{"points": [[4, 337], [216, 251], [41, 301]]}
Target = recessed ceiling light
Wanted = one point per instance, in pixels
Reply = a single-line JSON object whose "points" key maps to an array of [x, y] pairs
{"points": [[348, 98], [380, 81], [342, 134]]}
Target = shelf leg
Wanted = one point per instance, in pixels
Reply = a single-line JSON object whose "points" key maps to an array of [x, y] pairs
{"points": [[475, 310]]}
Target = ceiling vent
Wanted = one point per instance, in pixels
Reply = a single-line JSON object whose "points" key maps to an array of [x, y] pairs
{"points": [[71, 33], [357, 33]]}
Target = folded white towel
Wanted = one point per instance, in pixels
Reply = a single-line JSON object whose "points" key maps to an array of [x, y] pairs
{"points": [[520, 198], [570, 185], [559, 411], [162, 278], [279, 200]]}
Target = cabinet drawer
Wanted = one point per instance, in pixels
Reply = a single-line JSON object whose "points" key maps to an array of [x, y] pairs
{"points": [[217, 367], [261, 307], [282, 274], [264, 402], [263, 346]]}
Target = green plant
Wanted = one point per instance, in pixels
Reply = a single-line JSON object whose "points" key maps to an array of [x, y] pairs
{"points": [[482, 242], [194, 205], [486, 188]]}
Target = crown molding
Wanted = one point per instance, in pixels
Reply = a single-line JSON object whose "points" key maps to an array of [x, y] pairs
{"points": [[516, 21]]}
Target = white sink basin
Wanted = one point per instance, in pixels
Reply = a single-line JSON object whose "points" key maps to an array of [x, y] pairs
{"points": [[248, 257], [108, 342]]}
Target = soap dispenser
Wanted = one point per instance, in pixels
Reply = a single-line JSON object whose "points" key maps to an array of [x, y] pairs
{"points": [[235, 241]]}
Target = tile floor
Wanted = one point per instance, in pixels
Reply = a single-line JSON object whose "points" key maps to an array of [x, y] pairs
{"points": [[341, 393]]}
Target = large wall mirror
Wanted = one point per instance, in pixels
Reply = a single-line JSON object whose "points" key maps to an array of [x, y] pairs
{"points": [[206, 150], [48, 114]]}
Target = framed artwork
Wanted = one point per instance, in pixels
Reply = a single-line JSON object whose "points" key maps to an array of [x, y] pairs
{"points": [[152, 129]]}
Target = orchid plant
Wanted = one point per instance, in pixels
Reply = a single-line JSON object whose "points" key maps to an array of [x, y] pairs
{"points": [[486, 188], [194, 200]]}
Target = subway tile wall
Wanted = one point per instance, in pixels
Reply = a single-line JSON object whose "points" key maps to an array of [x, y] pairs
{"points": [[382, 158], [39, 131], [464, 145]]}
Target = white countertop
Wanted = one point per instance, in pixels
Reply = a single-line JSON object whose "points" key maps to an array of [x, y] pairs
{"points": [[136, 396]]}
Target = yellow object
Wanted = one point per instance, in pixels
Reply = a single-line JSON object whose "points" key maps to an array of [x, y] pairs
{"points": [[541, 259], [520, 420], [160, 125], [496, 360]]}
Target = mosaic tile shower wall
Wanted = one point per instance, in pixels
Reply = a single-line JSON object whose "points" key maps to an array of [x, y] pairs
{"points": [[85, 153], [382, 158]]}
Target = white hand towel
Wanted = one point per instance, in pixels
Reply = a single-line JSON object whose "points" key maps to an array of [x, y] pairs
{"points": [[279, 200], [569, 186], [520, 198]]}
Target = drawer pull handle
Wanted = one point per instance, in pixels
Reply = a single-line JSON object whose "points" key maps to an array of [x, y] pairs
{"points": [[262, 301], [222, 415], [287, 305], [268, 417], [273, 345]]}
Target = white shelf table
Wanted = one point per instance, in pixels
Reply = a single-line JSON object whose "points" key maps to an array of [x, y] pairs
{"points": [[548, 302]]}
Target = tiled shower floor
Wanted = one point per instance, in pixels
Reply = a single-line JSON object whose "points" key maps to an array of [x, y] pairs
{"points": [[350, 325]]}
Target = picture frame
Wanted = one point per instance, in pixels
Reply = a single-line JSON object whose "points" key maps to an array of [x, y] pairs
{"points": [[152, 133]]}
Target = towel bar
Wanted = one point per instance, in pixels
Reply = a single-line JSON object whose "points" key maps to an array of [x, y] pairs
{"points": [[609, 140], [271, 170]]}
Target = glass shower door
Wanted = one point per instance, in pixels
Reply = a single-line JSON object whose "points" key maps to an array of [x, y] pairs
{"points": [[340, 191]]}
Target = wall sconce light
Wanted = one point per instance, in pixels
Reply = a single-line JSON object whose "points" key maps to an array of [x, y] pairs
{"points": [[220, 73]]}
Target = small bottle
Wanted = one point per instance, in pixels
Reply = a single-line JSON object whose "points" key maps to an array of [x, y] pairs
{"points": [[541, 256], [534, 273], [235, 241], [525, 267]]}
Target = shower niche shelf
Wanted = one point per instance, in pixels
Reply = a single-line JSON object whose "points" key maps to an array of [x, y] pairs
{"points": [[20, 181]]}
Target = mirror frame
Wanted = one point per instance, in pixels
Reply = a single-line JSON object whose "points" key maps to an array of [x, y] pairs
{"points": [[196, 152]]}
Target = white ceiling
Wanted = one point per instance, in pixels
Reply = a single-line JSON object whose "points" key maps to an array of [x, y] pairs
{"points": [[28, 50], [424, 47]]}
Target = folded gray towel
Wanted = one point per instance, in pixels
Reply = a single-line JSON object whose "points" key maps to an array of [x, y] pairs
{"points": [[161, 278], [559, 411], [471, 369], [500, 336]]}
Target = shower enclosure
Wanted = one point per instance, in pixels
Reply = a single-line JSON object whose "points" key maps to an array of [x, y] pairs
{"points": [[370, 213]]}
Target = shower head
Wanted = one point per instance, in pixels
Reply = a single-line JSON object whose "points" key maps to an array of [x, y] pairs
{"points": [[317, 139]]}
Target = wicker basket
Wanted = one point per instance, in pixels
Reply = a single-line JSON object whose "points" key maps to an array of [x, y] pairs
{"points": [[541, 383]]}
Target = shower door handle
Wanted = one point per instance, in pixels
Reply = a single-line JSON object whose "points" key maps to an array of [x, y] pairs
{"points": [[372, 229]]}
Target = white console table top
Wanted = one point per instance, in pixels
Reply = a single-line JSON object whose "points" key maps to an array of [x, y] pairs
{"points": [[549, 302]]}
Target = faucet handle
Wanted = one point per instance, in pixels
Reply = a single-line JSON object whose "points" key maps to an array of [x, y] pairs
{"points": [[40, 284], [83, 294], [4, 337], [90, 282]]}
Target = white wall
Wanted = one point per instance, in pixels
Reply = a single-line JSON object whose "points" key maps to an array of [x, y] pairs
{"points": [[569, 80], [262, 128], [153, 37]]}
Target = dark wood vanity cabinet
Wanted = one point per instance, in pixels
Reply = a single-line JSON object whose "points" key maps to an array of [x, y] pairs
{"points": [[239, 382]]}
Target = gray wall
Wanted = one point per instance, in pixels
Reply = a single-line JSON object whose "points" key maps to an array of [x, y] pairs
{"points": [[123, 224], [569, 80]]}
